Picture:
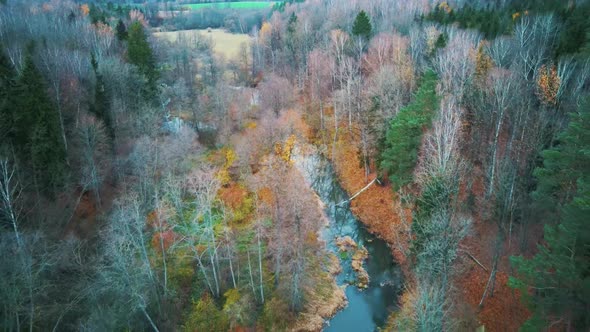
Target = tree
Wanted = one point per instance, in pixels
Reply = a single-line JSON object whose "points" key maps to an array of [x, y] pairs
{"points": [[7, 85], [320, 67], [362, 26], [140, 54], [126, 285], [455, 63], [276, 93], [121, 31], [38, 128], [404, 135], [206, 316], [555, 283], [93, 152], [16, 272], [101, 105]]}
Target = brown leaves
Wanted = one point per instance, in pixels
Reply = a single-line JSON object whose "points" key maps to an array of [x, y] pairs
{"points": [[375, 207]]}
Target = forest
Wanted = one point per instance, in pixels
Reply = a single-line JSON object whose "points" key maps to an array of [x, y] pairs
{"points": [[383, 165]]}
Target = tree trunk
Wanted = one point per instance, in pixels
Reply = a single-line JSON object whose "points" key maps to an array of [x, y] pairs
{"points": [[149, 319], [250, 272], [494, 153]]}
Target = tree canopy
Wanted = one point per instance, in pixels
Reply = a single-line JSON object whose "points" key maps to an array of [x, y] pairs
{"points": [[404, 135], [556, 281], [37, 127], [362, 25], [140, 54]]}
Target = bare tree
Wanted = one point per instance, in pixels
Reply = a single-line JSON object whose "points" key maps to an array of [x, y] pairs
{"points": [[535, 37], [320, 67], [17, 279], [442, 144], [10, 196], [276, 93], [203, 185], [126, 283], [501, 93], [94, 151], [455, 64]]}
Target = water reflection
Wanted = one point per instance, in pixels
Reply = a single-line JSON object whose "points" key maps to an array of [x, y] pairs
{"points": [[367, 309]]}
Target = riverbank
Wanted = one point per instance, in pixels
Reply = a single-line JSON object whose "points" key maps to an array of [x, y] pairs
{"points": [[369, 274], [377, 207]]}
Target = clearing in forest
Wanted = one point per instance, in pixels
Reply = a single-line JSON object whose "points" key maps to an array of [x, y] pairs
{"points": [[224, 43]]}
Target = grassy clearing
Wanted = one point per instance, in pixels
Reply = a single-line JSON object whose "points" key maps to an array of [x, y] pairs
{"points": [[225, 43], [232, 5]]}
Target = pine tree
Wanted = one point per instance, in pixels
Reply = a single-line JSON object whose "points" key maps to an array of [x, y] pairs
{"points": [[362, 26], [140, 54], [121, 30], [101, 105], [96, 14], [291, 37], [7, 85], [405, 133], [37, 128], [555, 283]]}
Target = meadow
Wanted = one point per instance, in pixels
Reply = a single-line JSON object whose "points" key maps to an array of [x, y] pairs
{"points": [[225, 43]]}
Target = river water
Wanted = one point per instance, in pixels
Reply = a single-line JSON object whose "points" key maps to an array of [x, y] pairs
{"points": [[367, 309]]}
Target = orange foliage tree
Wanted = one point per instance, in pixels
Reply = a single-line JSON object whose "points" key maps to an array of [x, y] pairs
{"points": [[548, 85]]}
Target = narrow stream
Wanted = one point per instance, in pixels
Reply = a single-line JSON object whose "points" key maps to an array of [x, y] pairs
{"points": [[367, 309]]}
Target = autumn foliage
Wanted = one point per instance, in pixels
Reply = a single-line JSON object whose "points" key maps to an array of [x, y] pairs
{"points": [[548, 84]]}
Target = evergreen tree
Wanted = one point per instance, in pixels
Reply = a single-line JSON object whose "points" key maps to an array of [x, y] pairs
{"points": [[37, 130], [7, 82], [121, 30], [140, 54], [404, 135], [101, 105], [291, 37], [555, 283], [362, 26], [96, 14]]}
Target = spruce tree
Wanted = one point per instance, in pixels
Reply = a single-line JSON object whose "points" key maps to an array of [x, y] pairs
{"points": [[555, 283], [101, 105], [140, 54], [37, 128], [291, 37], [121, 30], [7, 84], [404, 134], [362, 26]]}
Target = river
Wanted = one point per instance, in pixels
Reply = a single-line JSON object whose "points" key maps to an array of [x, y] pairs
{"points": [[367, 309]]}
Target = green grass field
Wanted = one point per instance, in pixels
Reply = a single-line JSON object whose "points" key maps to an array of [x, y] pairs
{"points": [[232, 5]]}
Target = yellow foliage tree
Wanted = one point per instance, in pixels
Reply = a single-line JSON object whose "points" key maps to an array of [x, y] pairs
{"points": [[85, 9], [515, 16], [483, 63], [445, 6], [548, 85], [288, 148], [265, 31], [285, 151], [230, 158]]}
